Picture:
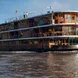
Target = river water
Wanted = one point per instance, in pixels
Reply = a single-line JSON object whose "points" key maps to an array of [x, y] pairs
{"points": [[39, 65]]}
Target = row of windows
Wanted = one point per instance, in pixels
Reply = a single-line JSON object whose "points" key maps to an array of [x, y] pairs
{"points": [[21, 42], [64, 41], [41, 32], [70, 17], [26, 23]]}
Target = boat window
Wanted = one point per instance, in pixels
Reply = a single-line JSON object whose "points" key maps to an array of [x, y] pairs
{"points": [[67, 16], [17, 42], [56, 14], [6, 42], [77, 18], [56, 21], [15, 25], [73, 17], [73, 41], [41, 21], [0, 43], [31, 22], [36, 42], [10, 26], [0, 36]]}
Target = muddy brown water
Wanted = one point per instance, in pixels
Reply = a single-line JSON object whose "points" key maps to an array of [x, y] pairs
{"points": [[39, 65]]}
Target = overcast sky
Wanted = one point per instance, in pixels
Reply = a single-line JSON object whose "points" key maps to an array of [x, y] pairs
{"points": [[8, 7]]}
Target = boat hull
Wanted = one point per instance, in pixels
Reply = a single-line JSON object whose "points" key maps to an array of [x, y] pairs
{"points": [[35, 48]]}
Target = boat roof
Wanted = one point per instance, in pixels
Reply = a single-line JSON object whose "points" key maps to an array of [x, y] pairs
{"points": [[72, 11]]}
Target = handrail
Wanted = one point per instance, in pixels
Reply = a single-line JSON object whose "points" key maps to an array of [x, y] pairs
{"points": [[22, 17], [20, 29], [31, 38]]}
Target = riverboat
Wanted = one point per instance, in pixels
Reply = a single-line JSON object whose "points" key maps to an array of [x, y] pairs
{"points": [[52, 31]]}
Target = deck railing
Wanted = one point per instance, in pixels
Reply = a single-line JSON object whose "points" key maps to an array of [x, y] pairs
{"points": [[22, 17]]}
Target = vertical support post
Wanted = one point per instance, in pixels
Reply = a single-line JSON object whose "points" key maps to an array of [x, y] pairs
{"points": [[52, 21]]}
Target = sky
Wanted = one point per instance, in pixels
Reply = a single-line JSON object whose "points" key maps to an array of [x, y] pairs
{"points": [[9, 7]]}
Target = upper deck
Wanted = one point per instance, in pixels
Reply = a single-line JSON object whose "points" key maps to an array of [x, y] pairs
{"points": [[56, 17], [25, 22]]}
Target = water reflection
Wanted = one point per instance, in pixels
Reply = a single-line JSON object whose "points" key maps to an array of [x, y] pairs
{"points": [[63, 65], [39, 65]]}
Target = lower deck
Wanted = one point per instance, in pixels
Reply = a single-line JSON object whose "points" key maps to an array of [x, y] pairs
{"points": [[38, 48], [46, 44]]}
